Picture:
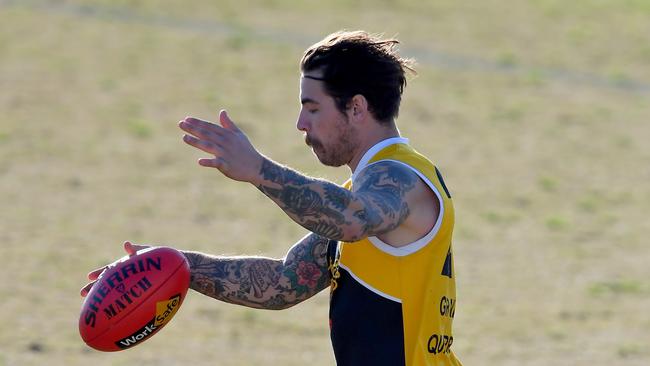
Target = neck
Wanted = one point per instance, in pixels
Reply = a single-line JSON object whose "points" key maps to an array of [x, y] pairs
{"points": [[370, 140]]}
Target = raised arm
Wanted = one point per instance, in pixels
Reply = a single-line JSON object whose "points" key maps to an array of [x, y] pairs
{"points": [[263, 283], [379, 202], [383, 197]]}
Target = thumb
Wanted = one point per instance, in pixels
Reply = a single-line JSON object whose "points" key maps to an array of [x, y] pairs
{"points": [[226, 122], [128, 247], [131, 249]]}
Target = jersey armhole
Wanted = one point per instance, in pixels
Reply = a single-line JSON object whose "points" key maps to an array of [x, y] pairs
{"points": [[427, 238]]}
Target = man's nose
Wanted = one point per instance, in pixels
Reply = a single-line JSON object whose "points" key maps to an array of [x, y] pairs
{"points": [[301, 123]]}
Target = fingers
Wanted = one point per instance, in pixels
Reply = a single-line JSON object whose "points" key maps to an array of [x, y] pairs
{"points": [[130, 248], [203, 135], [226, 122], [208, 131], [204, 145], [86, 289], [93, 275], [229, 146], [213, 163], [201, 129], [192, 125]]}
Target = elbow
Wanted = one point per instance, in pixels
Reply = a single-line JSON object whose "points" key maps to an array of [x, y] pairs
{"points": [[362, 225], [277, 304], [281, 306], [354, 233]]}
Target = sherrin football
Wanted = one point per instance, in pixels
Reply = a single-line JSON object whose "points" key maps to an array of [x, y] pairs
{"points": [[134, 298]]}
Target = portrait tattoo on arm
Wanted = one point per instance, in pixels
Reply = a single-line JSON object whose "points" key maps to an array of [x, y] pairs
{"points": [[376, 205], [263, 283], [383, 187]]}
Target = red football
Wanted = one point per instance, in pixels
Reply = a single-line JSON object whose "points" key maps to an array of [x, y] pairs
{"points": [[134, 298]]}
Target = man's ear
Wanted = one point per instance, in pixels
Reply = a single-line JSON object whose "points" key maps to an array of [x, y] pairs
{"points": [[358, 107]]}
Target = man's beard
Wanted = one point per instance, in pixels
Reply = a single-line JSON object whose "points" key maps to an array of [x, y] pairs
{"points": [[340, 152]]}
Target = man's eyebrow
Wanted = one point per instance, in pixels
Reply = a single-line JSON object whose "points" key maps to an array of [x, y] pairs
{"points": [[314, 77], [307, 100]]}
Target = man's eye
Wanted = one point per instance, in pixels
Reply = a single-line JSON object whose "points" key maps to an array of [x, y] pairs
{"points": [[312, 111]]}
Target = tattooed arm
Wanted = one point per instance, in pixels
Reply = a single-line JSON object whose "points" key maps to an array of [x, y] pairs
{"points": [[256, 282], [383, 197], [381, 200], [263, 282], [384, 194]]}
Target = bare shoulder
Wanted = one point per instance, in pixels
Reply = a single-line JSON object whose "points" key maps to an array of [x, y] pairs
{"points": [[388, 177], [403, 207], [386, 188]]}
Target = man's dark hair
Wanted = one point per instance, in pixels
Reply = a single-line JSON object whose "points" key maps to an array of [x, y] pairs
{"points": [[359, 63]]}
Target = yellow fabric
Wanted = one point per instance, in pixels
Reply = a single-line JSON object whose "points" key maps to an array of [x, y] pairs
{"points": [[428, 297]]}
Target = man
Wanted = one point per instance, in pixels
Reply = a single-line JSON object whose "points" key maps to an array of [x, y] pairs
{"points": [[381, 242]]}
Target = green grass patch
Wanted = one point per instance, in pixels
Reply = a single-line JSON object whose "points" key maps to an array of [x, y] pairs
{"points": [[557, 223], [618, 287], [535, 77], [547, 184], [589, 204], [139, 128], [626, 351], [507, 59], [91, 156], [500, 218]]}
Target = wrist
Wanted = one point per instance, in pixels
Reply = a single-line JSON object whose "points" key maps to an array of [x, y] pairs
{"points": [[191, 257], [262, 164]]}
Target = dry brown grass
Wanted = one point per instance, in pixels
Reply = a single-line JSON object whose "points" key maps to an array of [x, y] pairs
{"points": [[549, 169]]}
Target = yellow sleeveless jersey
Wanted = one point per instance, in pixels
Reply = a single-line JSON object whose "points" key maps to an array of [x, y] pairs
{"points": [[395, 306]]}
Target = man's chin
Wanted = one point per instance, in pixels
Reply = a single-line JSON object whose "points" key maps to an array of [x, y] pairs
{"points": [[318, 151], [329, 162]]}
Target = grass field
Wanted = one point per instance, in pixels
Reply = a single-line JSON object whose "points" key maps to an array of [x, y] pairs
{"points": [[537, 112]]}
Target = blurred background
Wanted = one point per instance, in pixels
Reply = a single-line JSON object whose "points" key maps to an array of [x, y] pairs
{"points": [[537, 112]]}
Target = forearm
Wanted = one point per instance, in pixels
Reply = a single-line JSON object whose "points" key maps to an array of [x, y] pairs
{"points": [[247, 281], [256, 282], [319, 206], [376, 206]]}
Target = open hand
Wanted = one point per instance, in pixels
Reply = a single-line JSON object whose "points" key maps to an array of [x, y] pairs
{"points": [[233, 154]]}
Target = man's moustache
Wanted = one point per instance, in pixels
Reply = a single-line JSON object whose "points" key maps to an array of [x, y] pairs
{"points": [[311, 142]]}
